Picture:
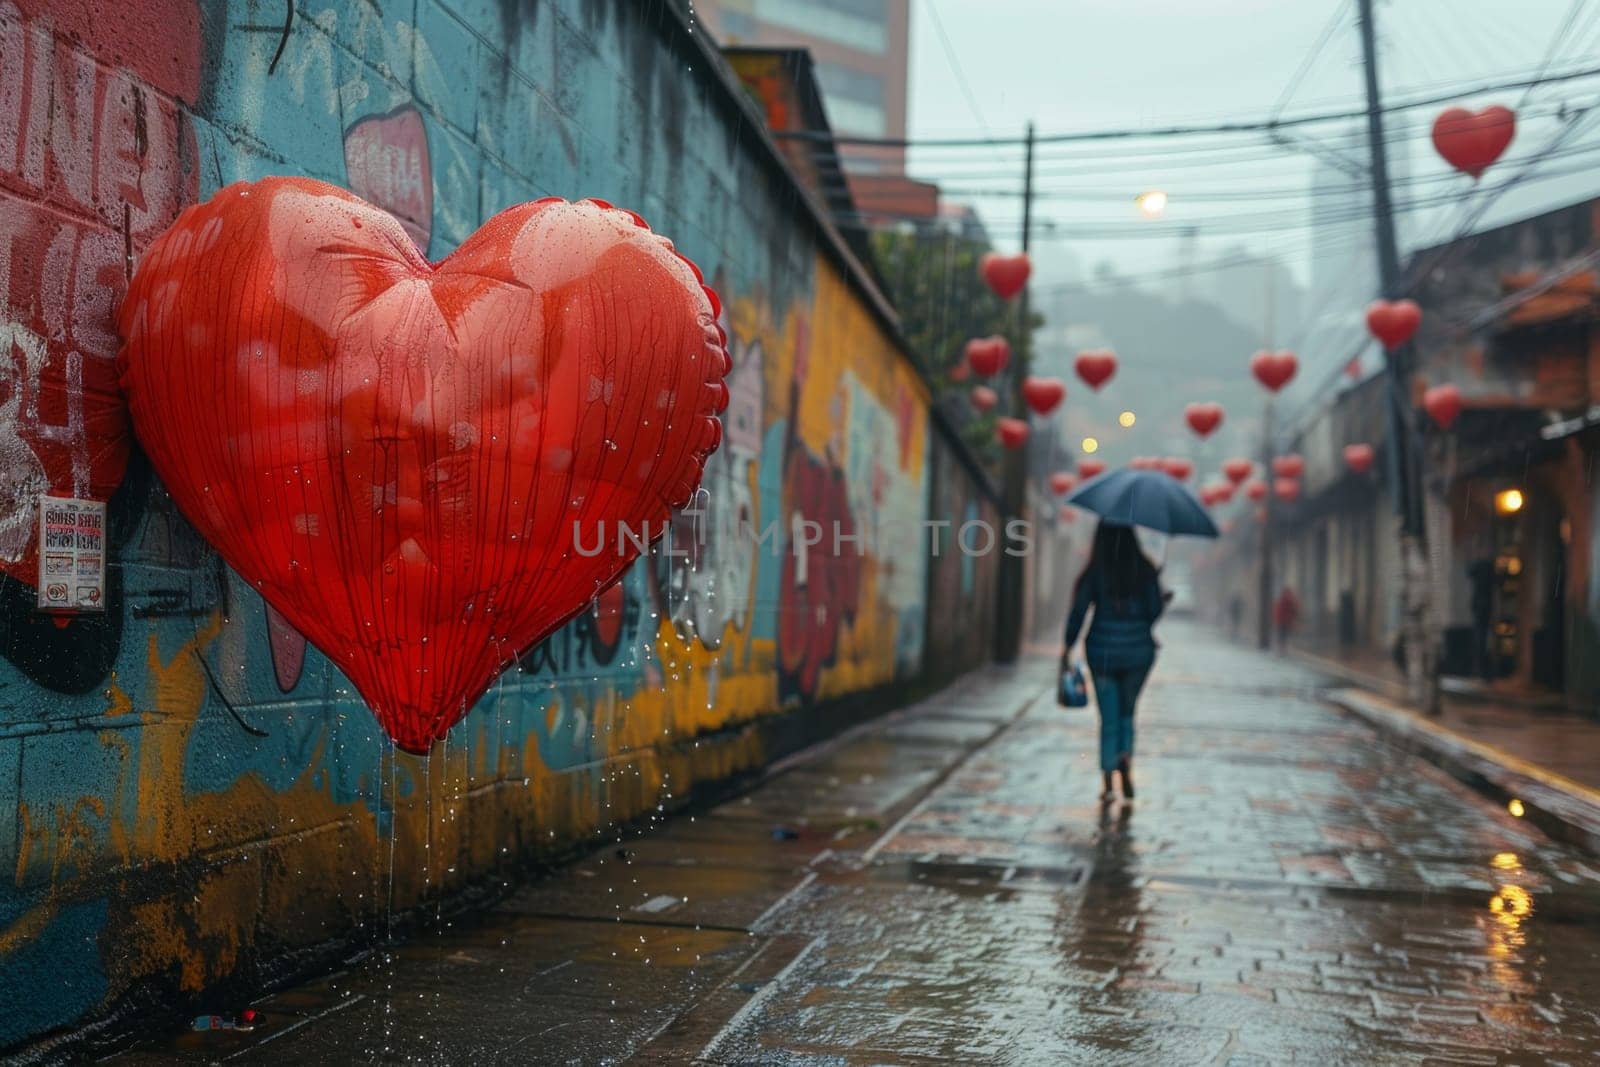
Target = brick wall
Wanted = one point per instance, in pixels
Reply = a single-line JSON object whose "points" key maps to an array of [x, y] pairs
{"points": [[192, 802]]}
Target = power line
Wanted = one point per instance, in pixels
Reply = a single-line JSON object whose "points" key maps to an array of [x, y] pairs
{"points": [[1246, 126], [955, 66]]}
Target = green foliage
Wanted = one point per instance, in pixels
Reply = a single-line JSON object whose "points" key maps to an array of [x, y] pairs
{"points": [[944, 302]]}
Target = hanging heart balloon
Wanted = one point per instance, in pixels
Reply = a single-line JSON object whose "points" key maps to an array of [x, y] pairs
{"points": [[1290, 466], [404, 458], [1358, 457], [1286, 489], [988, 356], [1043, 395], [1178, 467], [1089, 468], [1393, 322], [1012, 433], [1472, 141], [1063, 482], [1006, 275], [983, 398], [1095, 367], [961, 371], [1274, 369], [1224, 492], [1443, 405], [1203, 418], [1237, 469], [1255, 489]]}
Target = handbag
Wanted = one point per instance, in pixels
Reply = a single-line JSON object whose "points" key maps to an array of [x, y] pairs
{"points": [[1072, 689]]}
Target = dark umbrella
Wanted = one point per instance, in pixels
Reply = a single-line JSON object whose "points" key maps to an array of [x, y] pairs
{"points": [[1152, 499]]}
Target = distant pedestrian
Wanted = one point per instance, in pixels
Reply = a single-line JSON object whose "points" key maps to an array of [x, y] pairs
{"points": [[1235, 615], [1285, 614], [1123, 588]]}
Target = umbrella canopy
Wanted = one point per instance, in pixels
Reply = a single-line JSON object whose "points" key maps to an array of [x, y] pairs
{"points": [[1152, 499]]}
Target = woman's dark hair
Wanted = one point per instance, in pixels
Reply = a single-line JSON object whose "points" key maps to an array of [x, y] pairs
{"points": [[1121, 562]]}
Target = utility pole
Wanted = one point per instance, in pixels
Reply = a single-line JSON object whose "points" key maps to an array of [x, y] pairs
{"points": [[1264, 577], [1405, 453], [1014, 489]]}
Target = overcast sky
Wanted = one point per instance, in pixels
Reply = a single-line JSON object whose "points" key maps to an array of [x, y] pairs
{"points": [[1077, 65]]}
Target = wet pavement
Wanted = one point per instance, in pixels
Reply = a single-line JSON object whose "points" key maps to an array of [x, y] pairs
{"points": [[943, 886]]}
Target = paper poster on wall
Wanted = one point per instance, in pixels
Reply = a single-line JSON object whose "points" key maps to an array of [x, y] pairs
{"points": [[72, 554]]}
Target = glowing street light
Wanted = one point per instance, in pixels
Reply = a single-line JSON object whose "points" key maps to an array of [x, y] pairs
{"points": [[1508, 501], [1091, 445], [1126, 419], [1152, 203]]}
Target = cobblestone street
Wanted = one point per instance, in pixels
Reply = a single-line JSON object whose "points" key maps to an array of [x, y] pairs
{"points": [[943, 886]]}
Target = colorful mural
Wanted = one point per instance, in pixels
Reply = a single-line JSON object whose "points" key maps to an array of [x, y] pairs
{"points": [[187, 790]]}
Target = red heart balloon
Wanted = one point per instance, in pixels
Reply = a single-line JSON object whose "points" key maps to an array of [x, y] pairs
{"points": [[1393, 321], [988, 356], [1223, 492], [1096, 366], [961, 371], [1443, 404], [1274, 369], [1291, 466], [1012, 433], [1255, 489], [983, 398], [1062, 482], [1358, 458], [407, 459], [1006, 275], [1178, 467], [1043, 395], [1237, 469], [1203, 418], [1089, 468], [1286, 489], [1470, 141]]}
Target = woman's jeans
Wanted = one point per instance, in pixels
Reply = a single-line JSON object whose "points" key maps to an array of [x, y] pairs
{"points": [[1115, 692]]}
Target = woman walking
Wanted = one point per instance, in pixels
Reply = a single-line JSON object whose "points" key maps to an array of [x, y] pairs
{"points": [[1123, 588]]}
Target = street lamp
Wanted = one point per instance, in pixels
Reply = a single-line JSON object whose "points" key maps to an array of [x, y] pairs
{"points": [[1152, 203], [1126, 419], [1090, 445], [1508, 501]]}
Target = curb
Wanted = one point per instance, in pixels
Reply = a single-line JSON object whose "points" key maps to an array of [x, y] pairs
{"points": [[1563, 809]]}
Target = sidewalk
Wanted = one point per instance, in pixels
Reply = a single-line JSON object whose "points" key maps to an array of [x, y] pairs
{"points": [[942, 887], [1549, 760]]}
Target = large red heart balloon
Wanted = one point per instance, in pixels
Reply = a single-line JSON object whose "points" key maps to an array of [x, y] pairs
{"points": [[1204, 418], [983, 398], [1012, 433], [1062, 482], [1043, 395], [413, 463], [1290, 466], [1237, 469], [1096, 367], [1255, 489], [1178, 467], [1393, 321], [988, 356], [1443, 404], [1471, 141], [1089, 468], [1006, 275], [1274, 369], [1358, 457]]}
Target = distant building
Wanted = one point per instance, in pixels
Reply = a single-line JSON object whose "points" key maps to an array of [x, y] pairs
{"points": [[861, 49]]}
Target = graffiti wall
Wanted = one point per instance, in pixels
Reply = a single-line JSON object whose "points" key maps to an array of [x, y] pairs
{"points": [[189, 794]]}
